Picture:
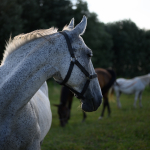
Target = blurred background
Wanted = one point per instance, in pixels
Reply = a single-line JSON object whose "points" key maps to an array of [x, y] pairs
{"points": [[118, 32], [116, 40]]}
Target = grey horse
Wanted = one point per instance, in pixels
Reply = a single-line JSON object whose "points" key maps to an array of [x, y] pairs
{"points": [[29, 60]]}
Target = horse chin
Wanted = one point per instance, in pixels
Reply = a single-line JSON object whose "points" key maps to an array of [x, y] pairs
{"points": [[89, 107], [91, 102], [85, 107]]}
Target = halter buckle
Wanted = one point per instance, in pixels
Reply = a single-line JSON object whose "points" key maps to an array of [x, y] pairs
{"points": [[88, 77], [73, 59]]}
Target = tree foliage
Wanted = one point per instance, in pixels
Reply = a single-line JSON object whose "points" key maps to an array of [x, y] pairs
{"points": [[120, 45], [128, 48], [10, 21]]}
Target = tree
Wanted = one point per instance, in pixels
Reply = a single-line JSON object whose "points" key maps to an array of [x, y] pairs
{"points": [[30, 15], [120, 45], [95, 36], [145, 52], [127, 48], [55, 13], [10, 21]]}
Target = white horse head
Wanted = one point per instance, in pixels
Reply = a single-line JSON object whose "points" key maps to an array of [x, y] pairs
{"points": [[83, 54], [29, 60]]}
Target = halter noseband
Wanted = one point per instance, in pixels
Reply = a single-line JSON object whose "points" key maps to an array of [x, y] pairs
{"points": [[75, 61]]}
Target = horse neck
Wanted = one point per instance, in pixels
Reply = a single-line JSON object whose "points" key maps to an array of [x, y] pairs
{"points": [[145, 79], [24, 71]]}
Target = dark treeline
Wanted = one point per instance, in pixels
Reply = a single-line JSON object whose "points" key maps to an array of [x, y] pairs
{"points": [[120, 45]]}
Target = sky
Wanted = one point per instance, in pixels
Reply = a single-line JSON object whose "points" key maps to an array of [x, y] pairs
{"points": [[114, 10]]}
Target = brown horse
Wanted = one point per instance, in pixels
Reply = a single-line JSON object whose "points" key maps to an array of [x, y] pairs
{"points": [[106, 79]]}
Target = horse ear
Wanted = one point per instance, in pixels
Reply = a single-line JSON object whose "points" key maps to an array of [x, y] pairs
{"points": [[71, 24], [57, 105], [80, 28]]}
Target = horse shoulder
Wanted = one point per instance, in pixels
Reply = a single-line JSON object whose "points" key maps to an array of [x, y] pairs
{"points": [[44, 88]]}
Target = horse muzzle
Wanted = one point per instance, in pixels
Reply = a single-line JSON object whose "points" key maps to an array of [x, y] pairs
{"points": [[91, 104]]}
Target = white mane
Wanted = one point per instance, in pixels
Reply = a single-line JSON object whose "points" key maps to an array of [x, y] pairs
{"points": [[145, 78], [21, 39]]}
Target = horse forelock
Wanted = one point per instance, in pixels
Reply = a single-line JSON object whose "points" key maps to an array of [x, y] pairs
{"points": [[66, 28], [21, 39]]}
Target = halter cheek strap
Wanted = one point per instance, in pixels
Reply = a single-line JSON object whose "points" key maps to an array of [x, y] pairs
{"points": [[73, 62]]}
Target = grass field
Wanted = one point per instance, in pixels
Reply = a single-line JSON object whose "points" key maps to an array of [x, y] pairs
{"points": [[127, 128]]}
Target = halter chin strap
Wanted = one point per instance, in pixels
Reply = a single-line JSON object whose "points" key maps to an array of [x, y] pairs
{"points": [[73, 62]]}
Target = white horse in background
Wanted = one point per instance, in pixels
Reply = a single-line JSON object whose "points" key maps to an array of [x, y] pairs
{"points": [[29, 60], [131, 86]]}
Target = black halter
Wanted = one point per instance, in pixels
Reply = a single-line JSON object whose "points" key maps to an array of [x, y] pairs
{"points": [[75, 61]]}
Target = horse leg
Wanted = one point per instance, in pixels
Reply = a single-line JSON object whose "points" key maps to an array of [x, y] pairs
{"points": [[104, 105], [84, 116], [140, 99], [118, 93], [108, 107], [70, 99], [135, 99]]}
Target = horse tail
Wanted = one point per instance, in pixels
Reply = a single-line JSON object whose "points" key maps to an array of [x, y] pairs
{"points": [[111, 84], [111, 81], [111, 94], [113, 76]]}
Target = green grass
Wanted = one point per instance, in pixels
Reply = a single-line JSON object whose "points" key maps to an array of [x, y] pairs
{"points": [[127, 128]]}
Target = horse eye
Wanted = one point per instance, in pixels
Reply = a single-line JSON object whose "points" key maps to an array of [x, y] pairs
{"points": [[90, 55]]}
